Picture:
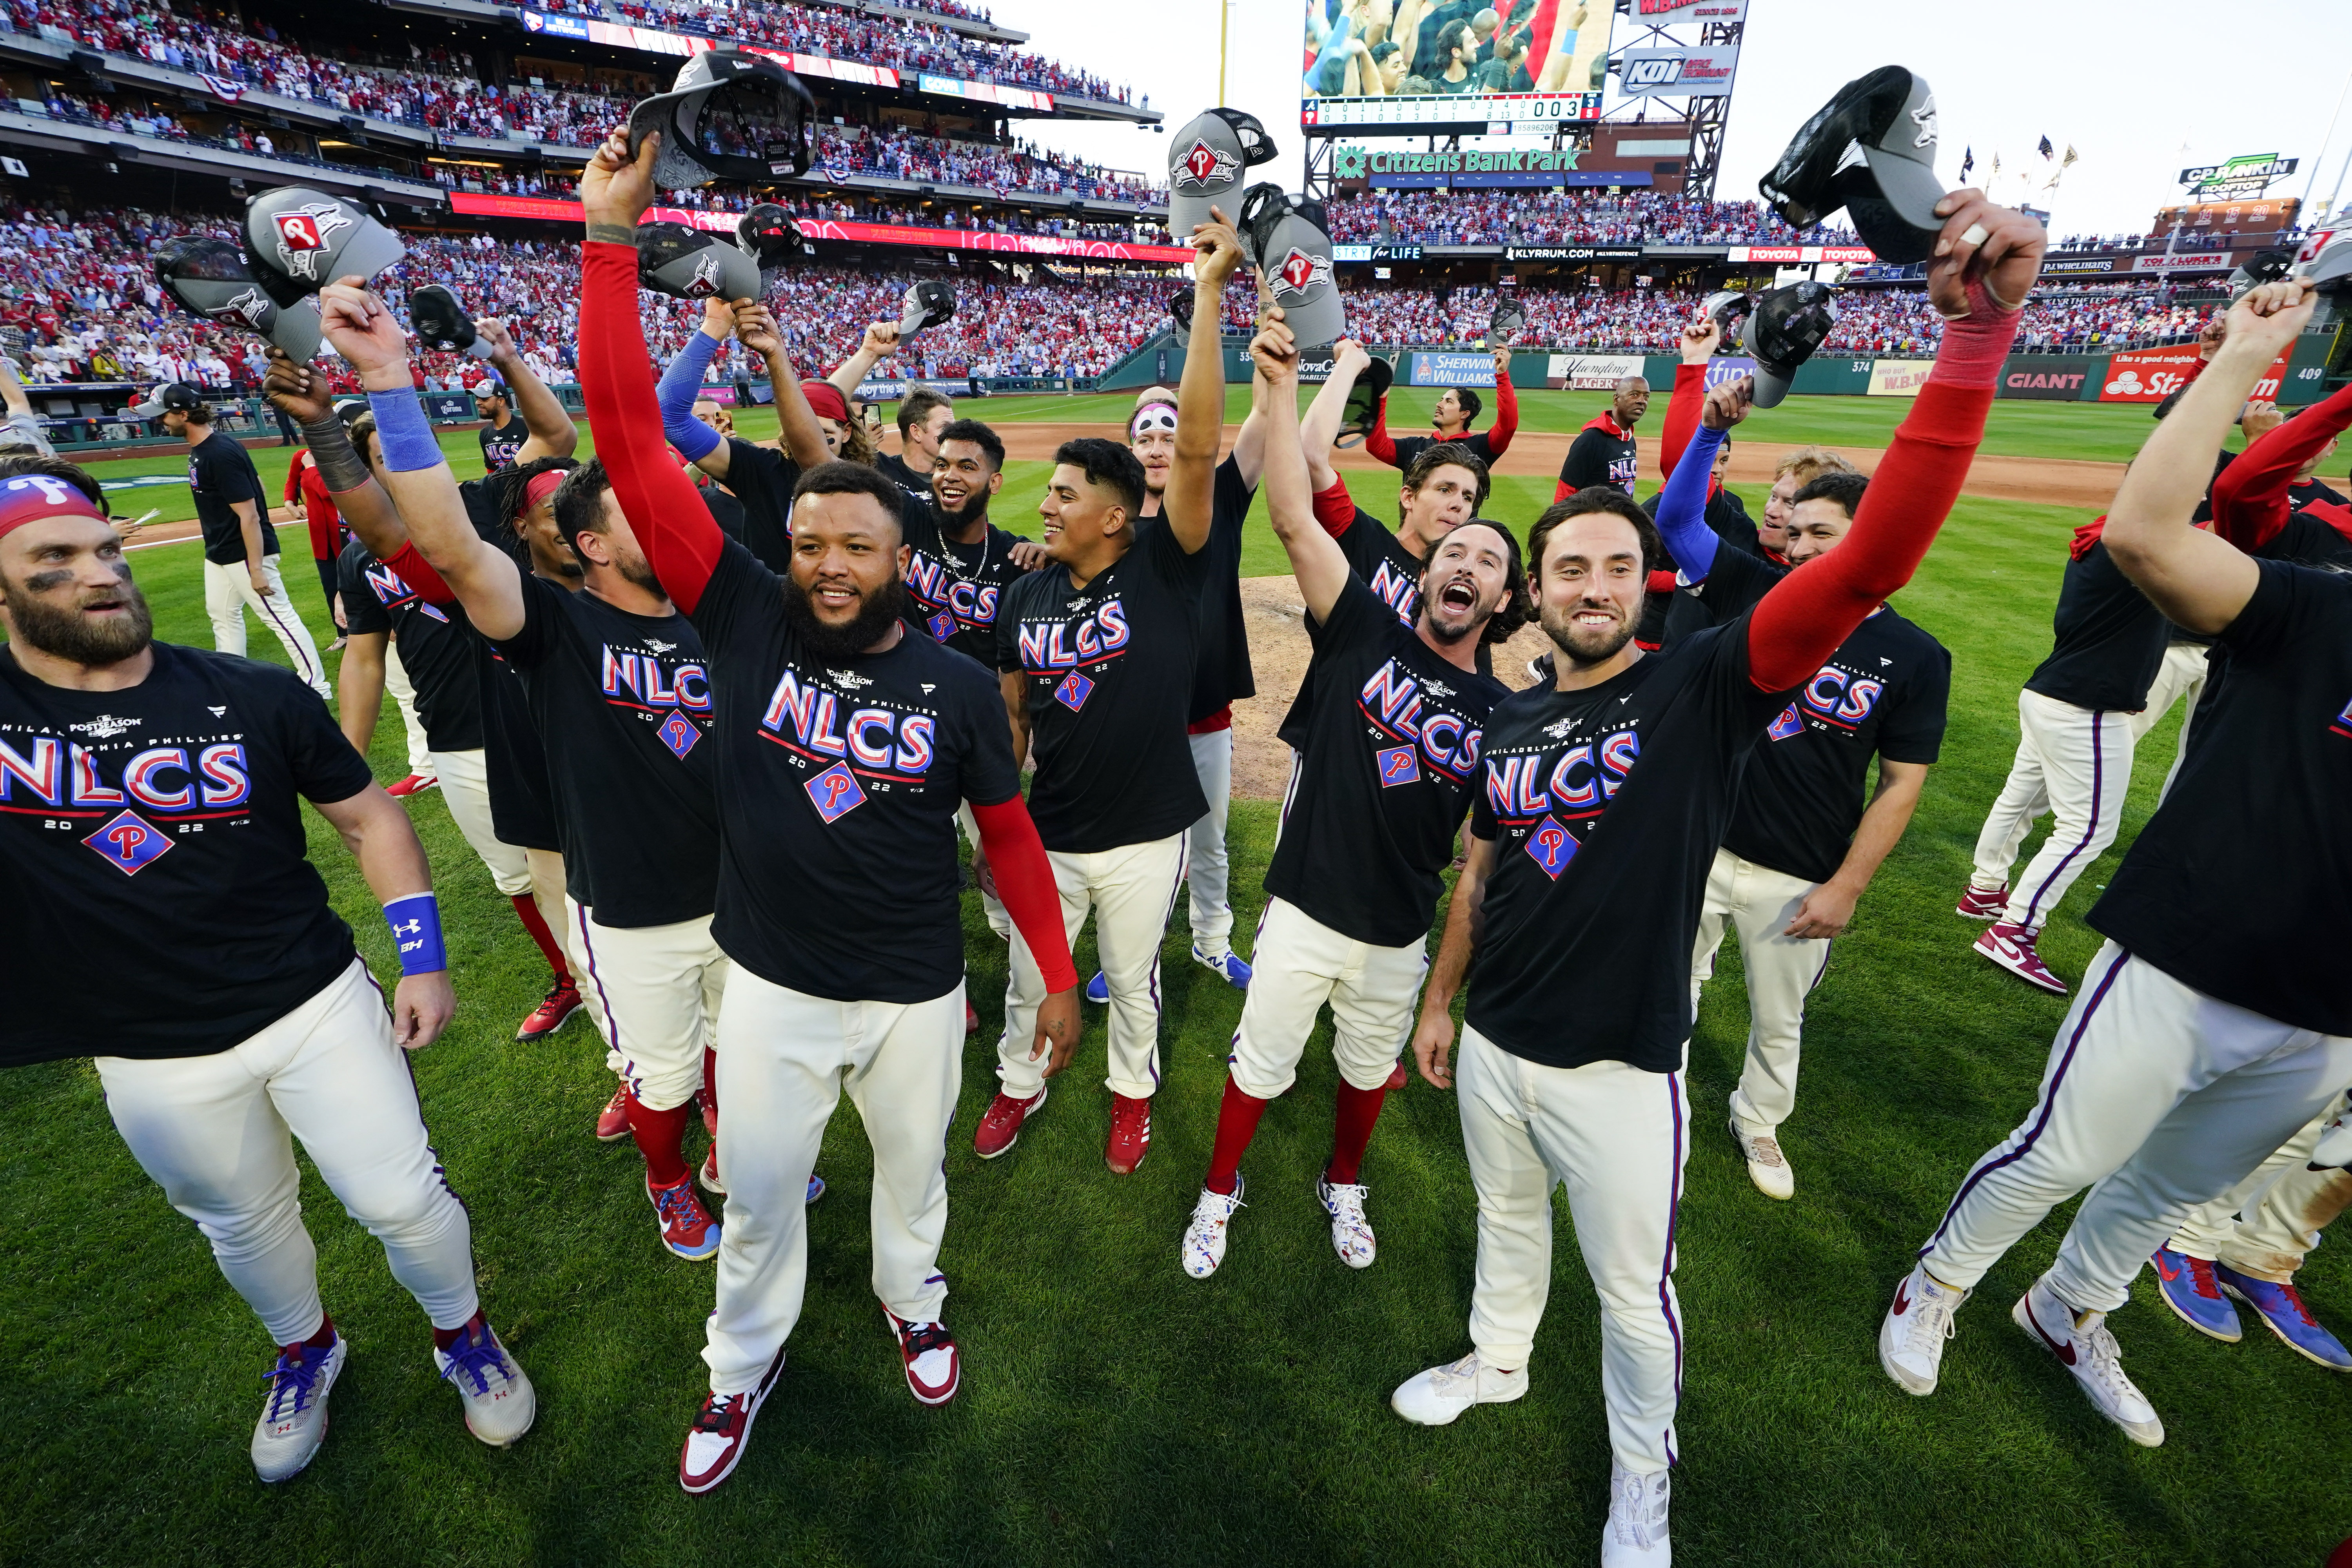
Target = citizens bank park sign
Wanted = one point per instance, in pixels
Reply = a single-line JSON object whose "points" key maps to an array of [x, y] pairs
{"points": [[1424, 171]]}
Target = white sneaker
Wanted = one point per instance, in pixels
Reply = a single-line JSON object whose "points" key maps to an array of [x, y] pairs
{"points": [[294, 1416], [1203, 1245], [499, 1401], [1636, 1531], [1351, 1233], [1911, 1340], [2089, 1351], [1767, 1166], [1433, 1398]]}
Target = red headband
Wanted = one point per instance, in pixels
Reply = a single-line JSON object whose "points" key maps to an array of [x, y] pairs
{"points": [[32, 498], [825, 401], [541, 486]]}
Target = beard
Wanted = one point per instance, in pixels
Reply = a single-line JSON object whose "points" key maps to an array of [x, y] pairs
{"points": [[853, 637], [1450, 632], [974, 507], [1582, 644], [70, 635], [640, 574]]}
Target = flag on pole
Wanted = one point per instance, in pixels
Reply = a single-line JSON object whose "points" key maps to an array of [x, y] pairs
{"points": [[1996, 168], [2047, 151], [1968, 161], [2068, 160]]}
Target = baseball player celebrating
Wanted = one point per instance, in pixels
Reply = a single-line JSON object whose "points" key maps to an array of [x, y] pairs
{"points": [[144, 782], [1385, 773], [761, 478], [1806, 835], [1605, 452], [2196, 1048], [842, 745], [1604, 795], [1450, 422]]}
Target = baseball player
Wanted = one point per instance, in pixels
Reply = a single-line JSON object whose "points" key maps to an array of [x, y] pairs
{"points": [[2196, 1048], [1725, 514], [1604, 451], [1384, 775], [1807, 835], [144, 782], [1456, 407], [1793, 472], [923, 414], [1604, 795], [502, 435], [842, 745], [761, 478]]}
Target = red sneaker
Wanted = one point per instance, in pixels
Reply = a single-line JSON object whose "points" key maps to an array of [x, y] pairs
{"points": [[686, 1228], [562, 1001], [1397, 1076], [613, 1122], [2012, 947], [933, 1367], [414, 783], [1000, 1124], [709, 1175], [1983, 903], [721, 1431], [1130, 1134], [970, 1017]]}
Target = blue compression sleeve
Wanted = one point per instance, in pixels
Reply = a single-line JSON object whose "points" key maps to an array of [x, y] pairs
{"points": [[1682, 506], [416, 922], [680, 385], [404, 432]]}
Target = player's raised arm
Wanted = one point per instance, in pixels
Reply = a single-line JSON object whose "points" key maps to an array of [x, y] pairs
{"points": [[1315, 556], [880, 342], [1319, 425], [1986, 259], [1507, 408], [681, 383], [299, 392], [1697, 346], [802, 436], [552, 432], [1200, 393], [2250, 497], [1682, 505], [2200, 582]]}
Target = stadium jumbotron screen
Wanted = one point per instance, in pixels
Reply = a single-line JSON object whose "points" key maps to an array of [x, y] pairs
{"points": [[1416, 64]]}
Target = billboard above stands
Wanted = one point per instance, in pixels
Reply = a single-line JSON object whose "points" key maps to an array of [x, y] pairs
{"points": [[2199, 222], [1727, 367], [2075, 265], [2206, 261], [1527, 115], [1588, 372], [2057, 378], [1898, 377], [1376, 253], [1548, 63], [1679, 72], [1470, 168], [987, 92], [1802, 255], [2151, 375], [862, 232], [1688, 13], [1452, 370], [2247, 175], [1571, 253], [653, 41]]}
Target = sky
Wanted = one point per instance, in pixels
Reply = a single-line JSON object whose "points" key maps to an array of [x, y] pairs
{"points": [[2188, 82]]}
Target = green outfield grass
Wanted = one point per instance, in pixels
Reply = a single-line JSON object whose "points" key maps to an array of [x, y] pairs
{"points": [[1114, 1411]]}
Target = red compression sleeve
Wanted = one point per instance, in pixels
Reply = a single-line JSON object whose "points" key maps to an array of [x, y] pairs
{"points": [[1377, 441], [2250, 499], [1562, 490], [675, 529], [1335, 509], [418, 574], [294, 476], [324, 526], [1682, 416], [1024, 882], [1506, 418]]}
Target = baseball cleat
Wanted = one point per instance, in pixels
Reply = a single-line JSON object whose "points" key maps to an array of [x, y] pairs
{"points": [[721, 1430], [1983, 903], [1203, 1247], [613, 1122], [1351, 1233], [707, 1177], [1635, 1536], [1227, 967], [1000, 1124], [499, 1401], [1397, 1078], [1767, 1166], [2012, 947], [1099, 990], [294, 1415], [815, 1189], [934, 1368], [2088, 1350], [553, 1012], [686, 1228], [2189, 1287], [1433, 1398], [1911, 1339], [414, 783], [2281, 1307], [1130, 1134], [970, 1018]]}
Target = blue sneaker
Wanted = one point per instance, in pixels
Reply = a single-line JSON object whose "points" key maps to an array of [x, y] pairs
{"points": [[815, 1188], [2189, 1289], [2289, 1319], [1099, 990], [1228, 967]]}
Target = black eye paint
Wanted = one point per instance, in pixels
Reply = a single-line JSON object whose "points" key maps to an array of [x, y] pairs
{"points": [[42, 582]]}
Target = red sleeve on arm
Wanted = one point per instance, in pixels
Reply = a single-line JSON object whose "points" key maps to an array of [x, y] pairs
{"points": [[673, 527], [1025, 880], [1377, 441], [2250, 499], [324, 531], [1562, 490], [1506, 419], [294, 475], [1335, 509], [1681, 416], [418, 574]]}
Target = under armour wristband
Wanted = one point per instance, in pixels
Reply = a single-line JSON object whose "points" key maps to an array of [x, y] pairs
{"points": [[416, 922], [341, 469], [402, 431]]}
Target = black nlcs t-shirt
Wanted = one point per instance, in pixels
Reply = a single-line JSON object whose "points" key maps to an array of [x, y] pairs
{"points": [[2254, 823], [1607, 805], [433, 640], [838, 784], [514, 764], [763, 480], [953, 590], [2110, 639], [500, 443], [154, 896], [1602, 454], [221, 474], [1389, 762], [624, 703], [1109, 670], [1883, 692], [1224, 674], [895, 469]]}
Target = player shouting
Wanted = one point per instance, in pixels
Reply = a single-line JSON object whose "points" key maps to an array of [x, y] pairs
{"points": [[1604, 796]]}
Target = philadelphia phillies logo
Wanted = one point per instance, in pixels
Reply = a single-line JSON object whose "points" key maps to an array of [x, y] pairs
{"points": [[835, 791], [1552, 845], [1300, 271], [304, 232], [1204, 164], [128, 843], [1398, 765]]}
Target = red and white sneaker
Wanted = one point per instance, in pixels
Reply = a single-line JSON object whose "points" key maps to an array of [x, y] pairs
{"points": [[414, 783], [1130, 1134], [613, 1122], [721, 1431], [709, 1175], [1983, 903], [970, 1018], [933, 1367], [2012, 947], [1396, 1076], [1000, 1124], [553, 1012], [686, 1228]]}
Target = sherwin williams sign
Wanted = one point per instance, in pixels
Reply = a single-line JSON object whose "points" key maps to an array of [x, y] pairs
{"points": [[1452, 370]]}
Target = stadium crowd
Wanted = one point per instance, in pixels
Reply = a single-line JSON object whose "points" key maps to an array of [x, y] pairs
{"points": [[1584, 216]]}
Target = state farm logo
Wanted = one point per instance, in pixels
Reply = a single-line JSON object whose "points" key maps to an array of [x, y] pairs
{"points": [[1203, 165], [305, 232], [1300, 271]]}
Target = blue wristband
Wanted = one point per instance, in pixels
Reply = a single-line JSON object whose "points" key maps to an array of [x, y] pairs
{"points": [[416, 922], [404, 433]]}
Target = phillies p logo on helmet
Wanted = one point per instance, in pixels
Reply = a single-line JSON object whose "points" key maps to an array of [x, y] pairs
{"points": [[1204, 163], [304, 231], [1300, 271]]}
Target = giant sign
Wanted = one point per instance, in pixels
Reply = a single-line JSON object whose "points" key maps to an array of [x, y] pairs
{"points": [[1679, 72], [2057, 378]]}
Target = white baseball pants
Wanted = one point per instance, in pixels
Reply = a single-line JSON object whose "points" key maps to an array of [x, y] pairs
{"points": [[466, 788], [2158, 1093], [213, 1132], [2264, 1225], [1302, 964], [228, 592], [547, 885], [658, 991], [2076, 763], [2181, 676], [1206, 867], [784, 1059], [1759, 902], [403, 698], [999, 921], [1131, 890], [1615, 1137]]}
